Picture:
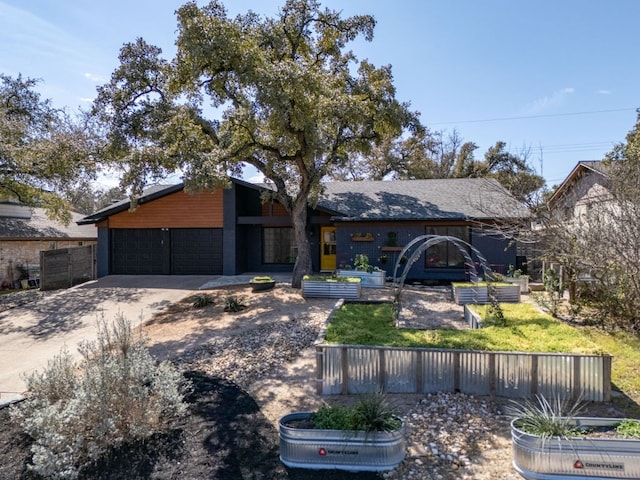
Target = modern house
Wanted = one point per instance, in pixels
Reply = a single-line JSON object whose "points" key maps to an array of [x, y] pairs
{"points": [[25, 232], [231, 231]]}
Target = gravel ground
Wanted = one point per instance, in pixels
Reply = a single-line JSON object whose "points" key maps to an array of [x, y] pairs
{"points": [[449, 436]]}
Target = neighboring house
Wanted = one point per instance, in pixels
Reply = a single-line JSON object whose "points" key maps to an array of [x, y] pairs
{"points": [[585, 187], [582, 199], [25, 232], [231, 231]]}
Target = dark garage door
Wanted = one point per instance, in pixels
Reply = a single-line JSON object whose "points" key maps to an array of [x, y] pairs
{"points": [[136, 251], [154, 251], [196, 251]]}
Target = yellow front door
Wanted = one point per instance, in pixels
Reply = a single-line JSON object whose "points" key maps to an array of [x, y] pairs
{"points": [[328, 248]]}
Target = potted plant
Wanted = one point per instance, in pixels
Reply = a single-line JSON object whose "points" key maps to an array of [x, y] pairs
{"points": [[259, 284], [334, 286], [362, 237], [367, 436], [550, 442], [371, 276]]}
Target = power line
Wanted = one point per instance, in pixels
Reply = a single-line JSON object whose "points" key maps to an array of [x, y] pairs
{"points": [[524, 117]]}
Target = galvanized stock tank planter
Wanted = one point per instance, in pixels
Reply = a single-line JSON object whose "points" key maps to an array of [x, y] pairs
{"points": [[576, 457], [317, 449]]}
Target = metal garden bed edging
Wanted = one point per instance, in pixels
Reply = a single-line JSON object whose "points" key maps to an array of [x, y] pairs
{"points": [[329, 289], [358, 369], [473, 319], [464, 294]]}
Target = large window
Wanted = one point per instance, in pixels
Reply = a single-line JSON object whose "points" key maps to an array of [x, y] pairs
{"points": [[278, 245], [446, 254]]}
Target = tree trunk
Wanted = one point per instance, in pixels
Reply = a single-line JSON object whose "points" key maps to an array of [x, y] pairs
{"points": [[302, 266]]}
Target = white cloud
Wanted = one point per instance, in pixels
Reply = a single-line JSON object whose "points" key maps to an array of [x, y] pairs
{"points": [[547, 102], [604, 92], [94, 77]]}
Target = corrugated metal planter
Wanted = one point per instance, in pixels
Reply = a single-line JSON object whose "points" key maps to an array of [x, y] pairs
{"points": [[523, 281], [582, 457], [374, 279], [332, 289], [464, 294], [337, 449]]}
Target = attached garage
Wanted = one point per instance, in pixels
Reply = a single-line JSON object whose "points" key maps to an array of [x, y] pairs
{"points": [[166, 251]]}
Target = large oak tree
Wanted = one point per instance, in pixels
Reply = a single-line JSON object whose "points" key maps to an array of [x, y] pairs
{"points": [[281, 94], [44, 152]]}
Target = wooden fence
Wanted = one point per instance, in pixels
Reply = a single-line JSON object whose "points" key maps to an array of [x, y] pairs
{"points": [[66, 267], [355, 369]]}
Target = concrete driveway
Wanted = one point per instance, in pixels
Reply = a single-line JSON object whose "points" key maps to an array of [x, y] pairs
{"points": [[32, 334]]}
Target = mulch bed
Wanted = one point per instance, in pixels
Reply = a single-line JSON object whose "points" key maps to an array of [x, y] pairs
{"points": [[224, 437]]}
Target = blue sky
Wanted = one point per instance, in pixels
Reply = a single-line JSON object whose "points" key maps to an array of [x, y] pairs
{"points": [[557, 77]]}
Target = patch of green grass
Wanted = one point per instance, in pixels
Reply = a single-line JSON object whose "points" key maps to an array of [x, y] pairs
{"points": [[625, 349], [526, 330]]}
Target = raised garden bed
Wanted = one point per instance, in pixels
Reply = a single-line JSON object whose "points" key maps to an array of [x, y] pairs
{"points": [[375, 279], [305, 447], [464, 293], [331, 287], [580, 456]]}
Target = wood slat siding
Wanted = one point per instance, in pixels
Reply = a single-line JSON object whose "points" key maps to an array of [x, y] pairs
{"points": [[66, 267], [354, 369], [273, 209], [178, 210]]}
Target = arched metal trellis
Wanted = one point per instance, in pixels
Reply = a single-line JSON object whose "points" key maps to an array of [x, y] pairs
{"points": [[419, 245]]}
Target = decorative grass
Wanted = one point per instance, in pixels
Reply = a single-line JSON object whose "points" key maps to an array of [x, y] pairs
{"points": [[526, 330]]}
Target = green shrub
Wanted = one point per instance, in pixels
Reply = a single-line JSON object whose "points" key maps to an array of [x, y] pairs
{"points": [[76, 411], [629, 428], [233, 303], [201, 300], [372, 413]]}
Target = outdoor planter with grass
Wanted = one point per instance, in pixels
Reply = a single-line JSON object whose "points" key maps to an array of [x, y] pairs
{"points": [[550, 443], [469, 292], [313, 440], [331, 287], [259, 284], [576, 456]]}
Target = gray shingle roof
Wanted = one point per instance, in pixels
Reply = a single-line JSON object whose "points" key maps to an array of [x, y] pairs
{"points": [[39, 226], [437, 199]]}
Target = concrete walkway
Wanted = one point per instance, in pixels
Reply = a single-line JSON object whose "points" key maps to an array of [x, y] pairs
{"points": [[32, 334]]}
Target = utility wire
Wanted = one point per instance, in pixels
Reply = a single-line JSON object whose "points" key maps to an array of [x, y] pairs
{"points": [[524, 117]]}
